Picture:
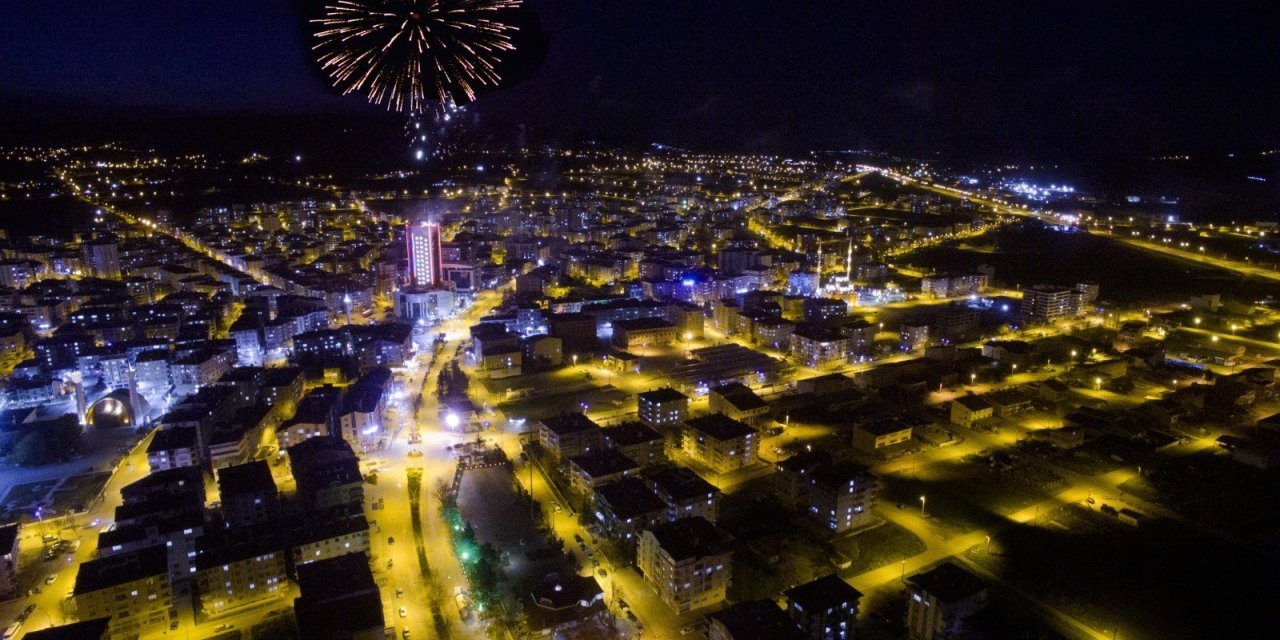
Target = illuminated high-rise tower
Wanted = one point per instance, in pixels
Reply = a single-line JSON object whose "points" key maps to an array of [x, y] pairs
{"points": [[423, 243]]}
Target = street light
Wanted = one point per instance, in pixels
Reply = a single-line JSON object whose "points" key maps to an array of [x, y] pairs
{"points": [[922, 506], [988, 544]]}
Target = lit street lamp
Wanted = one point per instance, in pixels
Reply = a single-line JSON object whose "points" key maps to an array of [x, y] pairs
{"points": [[922, 506]]}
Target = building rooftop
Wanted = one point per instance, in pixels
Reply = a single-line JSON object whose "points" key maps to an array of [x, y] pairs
{"points": [[165, 525], [180, 480], [678, 484], [805, 461], [973, 403], [757, 620], [282, 376], [884, 426], [242, 374], [172, 438], [720, 427], [631, 433], [246, 479], [563, 600], [948, 583], [824, 594], [85, 630], [362, 398], [665, 394], [326, 529], [335, 578], [840, 474], [324, 461], [604, 462], [95, 575], [641, 324], [8, 536], [214, 551], [630, 498], [316, 406], [691, 538], [557, 591], [566, 423], [818, 333], [740, 396]]}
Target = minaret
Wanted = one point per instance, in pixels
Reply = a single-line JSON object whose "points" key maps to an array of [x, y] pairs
{"points": [[848, 261], [81, 409], [817, 288], [134, 405]]}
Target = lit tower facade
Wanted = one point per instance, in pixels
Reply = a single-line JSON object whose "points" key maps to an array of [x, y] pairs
{"points": [[423, 243]]}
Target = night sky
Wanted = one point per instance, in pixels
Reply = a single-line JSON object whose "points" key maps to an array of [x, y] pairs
{"points": [[1017, 79]]}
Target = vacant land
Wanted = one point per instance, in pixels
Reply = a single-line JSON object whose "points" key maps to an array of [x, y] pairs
{"points": [[876, 547], [1152, 582], [1024, 255]]}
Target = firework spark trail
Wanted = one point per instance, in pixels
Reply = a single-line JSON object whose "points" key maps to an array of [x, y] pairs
{"points": [[393, 50]]}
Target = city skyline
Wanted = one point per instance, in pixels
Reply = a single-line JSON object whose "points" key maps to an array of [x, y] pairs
{"points": [[541, 320]]}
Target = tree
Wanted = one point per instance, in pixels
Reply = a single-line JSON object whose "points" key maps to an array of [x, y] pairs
{"points": [[48, 442], [442, 492]]}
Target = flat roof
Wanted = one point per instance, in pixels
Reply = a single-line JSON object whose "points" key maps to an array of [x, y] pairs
{"points": [[566, 423], [691, 538], [629, 498], [948, 583], [95, 629], [242, 479], [828, 592], [758, 620], [630, 433], [679, 483], [719, 426], [603, 462], [665, 394], [102, 573]]}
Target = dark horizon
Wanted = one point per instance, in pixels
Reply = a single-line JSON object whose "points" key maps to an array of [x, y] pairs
{"points": [[1025, 83]]}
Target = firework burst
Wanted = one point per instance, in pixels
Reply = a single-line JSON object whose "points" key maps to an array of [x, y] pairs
{"points": [[414, 55]]}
